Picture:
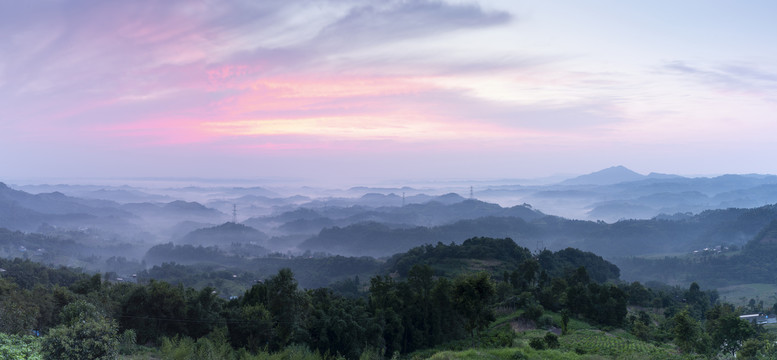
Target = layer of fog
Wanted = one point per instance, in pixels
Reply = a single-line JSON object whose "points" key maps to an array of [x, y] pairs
{"points": [[126, 217]]}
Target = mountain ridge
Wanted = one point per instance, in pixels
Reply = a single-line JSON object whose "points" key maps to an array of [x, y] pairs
{"points": [[609, 176]]}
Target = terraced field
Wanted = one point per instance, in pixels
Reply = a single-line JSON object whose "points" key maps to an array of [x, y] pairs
{"points": [[602, 343]]}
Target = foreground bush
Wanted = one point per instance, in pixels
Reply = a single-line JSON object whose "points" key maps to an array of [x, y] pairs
{"points": [[215, 347], [19, 347], [85, 334]]}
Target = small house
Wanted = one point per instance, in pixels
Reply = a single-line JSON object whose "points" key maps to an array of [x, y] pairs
{"points": [[759, 319]]}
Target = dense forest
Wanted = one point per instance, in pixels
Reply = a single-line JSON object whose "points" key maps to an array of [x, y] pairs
{"points": [[430, 300]]}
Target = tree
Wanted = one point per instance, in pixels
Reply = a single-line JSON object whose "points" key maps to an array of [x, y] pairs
{"points": [[253, 330], [85, 334], [551, 340], [641, 331], [730, 333], [564, 322], [533, 312], [18, 314], [204, 310], [697, 300], [418, 307], [338, 324], [288, 307], [578, 299], [537, 343], [750, 348], [155, 310], [528, 269], [386, 308], [446, 324], [686, 331], [471, 296]]}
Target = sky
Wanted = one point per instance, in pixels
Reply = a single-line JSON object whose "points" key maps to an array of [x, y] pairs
{"points": [[344, 91]]}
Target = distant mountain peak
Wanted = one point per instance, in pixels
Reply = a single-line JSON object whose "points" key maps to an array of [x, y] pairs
{"points": [[449, 198], [608, 176], [619, 169]]}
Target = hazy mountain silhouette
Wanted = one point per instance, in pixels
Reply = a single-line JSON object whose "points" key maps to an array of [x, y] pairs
{"points": [[224, 235], [432, 213], [609, 176], [623, 238], [20, 210], [178, 209]]}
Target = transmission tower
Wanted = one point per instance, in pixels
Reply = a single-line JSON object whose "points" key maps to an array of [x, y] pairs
{"points": [[234, 213], [540, 247]]}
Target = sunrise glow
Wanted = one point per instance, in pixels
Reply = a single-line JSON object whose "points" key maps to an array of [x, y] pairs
{"points": [[505, 81]]}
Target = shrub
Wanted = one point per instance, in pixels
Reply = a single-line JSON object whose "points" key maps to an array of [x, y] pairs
{"points": [[127, 341], [519, 356], [533, 312], [19, 347], [537, 343], [86, 339], [551, 340], [546, 321], [502, 336]]}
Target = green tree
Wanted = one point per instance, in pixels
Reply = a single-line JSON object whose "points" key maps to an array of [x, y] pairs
{"points": [[551, 340], [686, 331], [698, 301], [253, 328], [155, 310], [537, 343], [18, 314], [203, 309], [386, 307], [446, 324], [19, 347], [418, 307], [751, 348], [528, 270], [641, 331], [564, 322], [79, 310], [472, 296], [533, 312], [338, 324], [289, 309], [85, 334], [730, 332]]}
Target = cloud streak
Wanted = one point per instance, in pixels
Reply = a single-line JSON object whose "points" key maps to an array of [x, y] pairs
{"points": [[266, 78], [111, 55], [728, 77]]}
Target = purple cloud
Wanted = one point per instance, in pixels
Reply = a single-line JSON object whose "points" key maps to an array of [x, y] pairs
{"points": [[728, 77]]}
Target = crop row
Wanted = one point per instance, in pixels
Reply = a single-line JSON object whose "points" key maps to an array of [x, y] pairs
{"points": [[596, 342]]}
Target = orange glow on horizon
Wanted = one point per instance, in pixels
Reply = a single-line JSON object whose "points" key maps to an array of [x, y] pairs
{"points": [[408, 128]]}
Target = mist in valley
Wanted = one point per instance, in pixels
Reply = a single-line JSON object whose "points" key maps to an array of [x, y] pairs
{"points": [[124, 227]]}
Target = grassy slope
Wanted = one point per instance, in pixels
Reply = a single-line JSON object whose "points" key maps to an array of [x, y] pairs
{"points": [[580, 344], [741, 294], [584, 342]]}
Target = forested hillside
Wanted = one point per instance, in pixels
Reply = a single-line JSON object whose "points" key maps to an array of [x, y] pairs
{"points": [[431, 299], [666, 234], [754, 263]]}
